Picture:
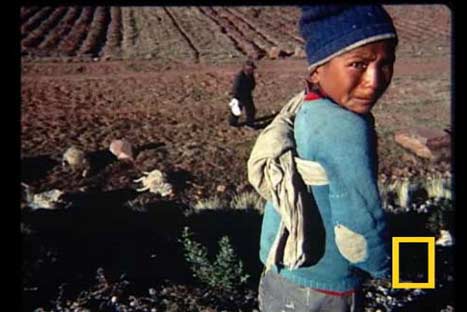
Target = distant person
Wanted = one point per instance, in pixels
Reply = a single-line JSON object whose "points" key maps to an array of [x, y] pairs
{"points": [[242, 90], [324, 229]]}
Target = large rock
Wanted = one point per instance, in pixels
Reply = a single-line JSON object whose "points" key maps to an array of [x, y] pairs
{"points": [[122, 149], [274, 53], [425, 142], [299, 52]]}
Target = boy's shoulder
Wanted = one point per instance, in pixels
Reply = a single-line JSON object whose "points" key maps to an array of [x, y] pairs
{"points": [[329, 119], [325, 108]]}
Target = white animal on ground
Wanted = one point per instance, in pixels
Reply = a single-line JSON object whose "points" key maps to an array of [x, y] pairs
{"points": [[76, 159], [156, 182], [46, 200]]}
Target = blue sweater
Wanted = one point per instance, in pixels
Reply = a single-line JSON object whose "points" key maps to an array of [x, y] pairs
{"points": [[344, 144]]}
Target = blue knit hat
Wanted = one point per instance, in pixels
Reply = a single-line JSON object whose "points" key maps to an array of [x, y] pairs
{"points": [[331, 30]]}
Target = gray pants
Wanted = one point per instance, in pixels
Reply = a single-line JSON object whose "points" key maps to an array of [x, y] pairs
{"points": [[277, 294]]}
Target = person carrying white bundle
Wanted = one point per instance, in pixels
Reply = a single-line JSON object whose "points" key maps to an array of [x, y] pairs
{"points": [[242, 98]]}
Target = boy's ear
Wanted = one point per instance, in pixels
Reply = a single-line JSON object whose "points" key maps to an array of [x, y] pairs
{"points": [[311, 81], [313, 77]]}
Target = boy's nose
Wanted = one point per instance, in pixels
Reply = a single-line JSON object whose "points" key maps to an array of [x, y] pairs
{"points": [[373, 78]]}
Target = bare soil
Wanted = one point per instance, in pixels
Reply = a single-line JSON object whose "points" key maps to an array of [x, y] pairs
{"points": [[175, 118]]}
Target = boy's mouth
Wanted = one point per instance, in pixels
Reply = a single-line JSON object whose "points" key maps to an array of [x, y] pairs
{"points": [[365, 100]]}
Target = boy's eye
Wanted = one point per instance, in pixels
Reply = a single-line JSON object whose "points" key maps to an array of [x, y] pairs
{"points": [[359, 65]]}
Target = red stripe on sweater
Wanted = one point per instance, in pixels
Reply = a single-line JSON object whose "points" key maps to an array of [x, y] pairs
{"points": [[335, 293]]}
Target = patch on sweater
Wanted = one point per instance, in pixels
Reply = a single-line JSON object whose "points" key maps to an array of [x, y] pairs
{"points": [[351, 245]]}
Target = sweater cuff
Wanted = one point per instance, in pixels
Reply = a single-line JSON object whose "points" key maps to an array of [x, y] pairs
{"points": [[383, 274]]}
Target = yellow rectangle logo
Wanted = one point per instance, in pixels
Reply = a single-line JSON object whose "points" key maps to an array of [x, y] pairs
{"points": [[395, 262]]}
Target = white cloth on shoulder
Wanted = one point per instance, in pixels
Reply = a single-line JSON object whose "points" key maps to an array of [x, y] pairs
{"points": [[281, 177]]}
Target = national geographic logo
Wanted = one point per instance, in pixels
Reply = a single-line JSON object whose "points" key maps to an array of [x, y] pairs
{"points": [[396, 283]]}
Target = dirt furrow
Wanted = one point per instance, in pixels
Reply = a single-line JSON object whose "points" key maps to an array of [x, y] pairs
{"points": [[71, 43], [206, 36], [61, 30], [131, 33], [37, 35], [27, 12], [420, 29], [433, 15], [206, 33], [35, 20], [157, 37], [152, 34], [273, 25], [254, 28], [287, 28], [114, 36], [247, 30], [274, 28], [249, 46], [148, 39], [239, 46], [410, 31], [129, 30], [96, 37], [184, 34], [433, 25], [288, 18]]}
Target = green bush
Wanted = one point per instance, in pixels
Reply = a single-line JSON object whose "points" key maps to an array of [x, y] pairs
{"points": [[441, 216], [225, 273]]}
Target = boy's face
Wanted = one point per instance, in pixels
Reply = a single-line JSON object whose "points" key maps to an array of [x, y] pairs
{"points": [[358, 78], [249, 70]]}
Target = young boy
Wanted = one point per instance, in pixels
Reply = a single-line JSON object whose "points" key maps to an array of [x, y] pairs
{"points": [[316, 163]]}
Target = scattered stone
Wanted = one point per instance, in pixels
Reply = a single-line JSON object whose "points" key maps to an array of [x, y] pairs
{"points": [[299, 52], [448, 308], [83, 189], [122, 149], [221, 188], [274, 53], [445, 239], [425, 142]]}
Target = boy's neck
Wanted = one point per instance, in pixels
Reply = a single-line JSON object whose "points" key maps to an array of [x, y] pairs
{"points": [[313, 95]]}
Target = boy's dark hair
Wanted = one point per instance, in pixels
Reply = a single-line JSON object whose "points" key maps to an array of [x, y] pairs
{"points": [[250, 63]]}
